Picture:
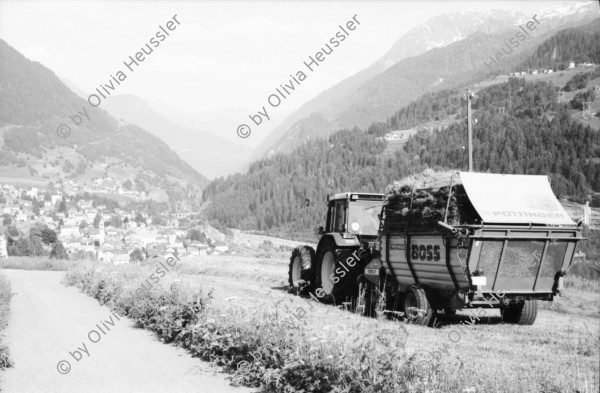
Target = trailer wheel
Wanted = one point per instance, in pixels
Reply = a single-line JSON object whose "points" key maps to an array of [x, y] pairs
{"points": [[301, 272], [521, 313], [417, 307], [331, 287]]}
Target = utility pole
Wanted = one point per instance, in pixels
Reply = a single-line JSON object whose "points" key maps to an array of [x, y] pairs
{"points": [[470, 133]]}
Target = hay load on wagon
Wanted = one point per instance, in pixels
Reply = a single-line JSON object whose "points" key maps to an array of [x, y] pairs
{"points": [[422, 200]]}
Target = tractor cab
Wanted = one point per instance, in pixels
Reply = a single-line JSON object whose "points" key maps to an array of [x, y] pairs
{"points": [[351, 214]]}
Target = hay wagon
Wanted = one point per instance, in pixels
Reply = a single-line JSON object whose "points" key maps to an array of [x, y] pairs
{"points": [[479, 240], [442, 242]]}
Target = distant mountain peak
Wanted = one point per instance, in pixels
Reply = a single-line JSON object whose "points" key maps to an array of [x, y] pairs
{"points": [[564, 9], [446, 29], [371, 94]]}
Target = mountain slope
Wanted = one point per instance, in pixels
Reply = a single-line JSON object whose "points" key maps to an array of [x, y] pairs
{"points": [[568, 44], [376, 92], [437, 32], [533, 134], [271, 195], [201, 149], [581, 44], [221, 122], [34, 102], [210, 154]]}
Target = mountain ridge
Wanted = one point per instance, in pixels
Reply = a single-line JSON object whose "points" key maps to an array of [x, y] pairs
{"points": [[33, 101], [534, 133], [200, 149], [344, 91]]}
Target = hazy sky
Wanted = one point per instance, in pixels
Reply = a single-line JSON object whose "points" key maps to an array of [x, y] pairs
{"points": [[227, 54]]}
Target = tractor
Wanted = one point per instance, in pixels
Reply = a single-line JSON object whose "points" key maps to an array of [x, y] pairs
{"points": [[345, 246]]}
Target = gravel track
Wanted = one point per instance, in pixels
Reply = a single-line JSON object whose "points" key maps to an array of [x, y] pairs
{"points": [[49, 320]]}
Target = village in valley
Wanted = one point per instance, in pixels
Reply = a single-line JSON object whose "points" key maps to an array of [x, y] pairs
{"points": [[72, 223], [36, 221]]}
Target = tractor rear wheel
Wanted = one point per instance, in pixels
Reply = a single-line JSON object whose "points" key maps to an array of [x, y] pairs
{"points": [[521, 313], [335, 281], [417, 307], [302, 269]]}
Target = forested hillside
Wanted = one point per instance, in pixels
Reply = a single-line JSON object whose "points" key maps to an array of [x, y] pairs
{"points": [[271, 196], [534, 135], [581, 44]]}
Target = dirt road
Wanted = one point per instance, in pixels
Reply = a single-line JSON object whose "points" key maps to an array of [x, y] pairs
{"points": [[52, 323]]}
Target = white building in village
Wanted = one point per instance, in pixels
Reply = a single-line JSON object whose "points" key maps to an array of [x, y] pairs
{"points": [[69, 231]]}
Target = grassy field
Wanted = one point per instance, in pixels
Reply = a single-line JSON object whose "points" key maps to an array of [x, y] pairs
{"points": [[31, 263], [5, 296], [560, 352], [49, 168], [249, 299]]}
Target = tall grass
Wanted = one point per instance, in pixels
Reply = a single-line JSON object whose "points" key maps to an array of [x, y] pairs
{"points": [[5, 297], [581, 284], [40, 263]]}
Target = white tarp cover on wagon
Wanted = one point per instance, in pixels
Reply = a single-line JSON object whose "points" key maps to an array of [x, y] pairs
{"points": [[514, 199]]}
